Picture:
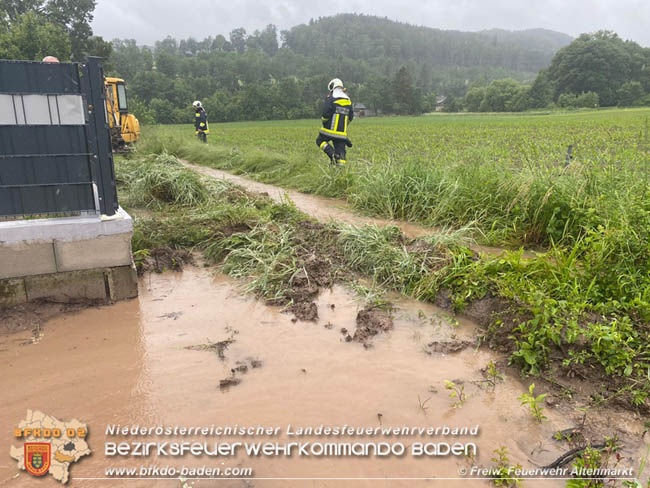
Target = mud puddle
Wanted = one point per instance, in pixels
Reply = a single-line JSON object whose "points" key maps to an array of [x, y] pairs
{"points": [[329, 209], [153, 361]]}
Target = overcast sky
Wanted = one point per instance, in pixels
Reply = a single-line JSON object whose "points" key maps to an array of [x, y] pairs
{"points": [[151, 20]]}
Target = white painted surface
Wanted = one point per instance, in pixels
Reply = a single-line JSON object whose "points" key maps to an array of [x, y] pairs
{"points": [[67, 229]]}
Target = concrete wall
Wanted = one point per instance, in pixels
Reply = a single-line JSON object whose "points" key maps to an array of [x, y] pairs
{"points": [[67, 260]]}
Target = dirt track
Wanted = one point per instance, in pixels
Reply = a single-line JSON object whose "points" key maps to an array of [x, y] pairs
{"points": [[328, 209]]}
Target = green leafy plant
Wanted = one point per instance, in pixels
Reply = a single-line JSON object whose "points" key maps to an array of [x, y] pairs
{"points": [[534, 403], [492, 375], [592, 459], [456, 393], [501, 471]]}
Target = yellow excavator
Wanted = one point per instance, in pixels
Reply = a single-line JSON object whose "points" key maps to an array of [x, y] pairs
{"points": [[125, 128]]}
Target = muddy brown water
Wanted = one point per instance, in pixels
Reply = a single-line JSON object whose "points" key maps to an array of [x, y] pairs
{"points": [[330, 209], [128, 364]]}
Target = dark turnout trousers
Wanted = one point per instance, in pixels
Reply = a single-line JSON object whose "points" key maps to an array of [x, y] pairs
{"points": [[339, 148]]}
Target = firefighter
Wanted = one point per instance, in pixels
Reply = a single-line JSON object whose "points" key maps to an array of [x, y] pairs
{"points": [[201, 122], [337, 114]]}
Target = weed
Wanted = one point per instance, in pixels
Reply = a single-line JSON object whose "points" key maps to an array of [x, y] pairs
{"points": [[492, 375], [501, 471], [591, 460], [456, 393], [534, 403], [422, 405]]}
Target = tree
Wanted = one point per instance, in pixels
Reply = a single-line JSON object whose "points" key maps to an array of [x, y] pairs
{"points": [[97, 46], [12, 10], [32, 37], [541, 93], [268, 40], [429, 102], [599, 62], [499, 94], [148, 85], [405, 98], [473, 99], [584, 100], [75, 16], [163, 110], [72, 16], [238, 39], [166, 63], [629, 93], [520, 100]]}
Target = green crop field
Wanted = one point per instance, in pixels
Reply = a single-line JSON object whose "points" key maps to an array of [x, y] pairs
{"points": [[584, 301], [504, 174]]}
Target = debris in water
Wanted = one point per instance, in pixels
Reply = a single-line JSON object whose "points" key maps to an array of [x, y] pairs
{"points": [[163, 258], [228, 382], [307, 311], [170, 315], [240, 368], [448, 347], [329, 325], [218, 347], [370, 322]]}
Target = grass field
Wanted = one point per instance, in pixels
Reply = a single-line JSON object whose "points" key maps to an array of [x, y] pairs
{"points": [[585, 303], [504, 174]]}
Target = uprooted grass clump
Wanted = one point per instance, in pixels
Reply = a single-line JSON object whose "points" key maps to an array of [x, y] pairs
{"points": [[557, 313]]}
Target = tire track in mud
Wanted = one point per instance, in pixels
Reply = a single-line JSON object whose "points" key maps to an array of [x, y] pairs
{"points": [[326, 209]]}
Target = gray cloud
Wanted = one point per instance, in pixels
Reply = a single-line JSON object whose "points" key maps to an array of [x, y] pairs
{"points": [[151, 20]]}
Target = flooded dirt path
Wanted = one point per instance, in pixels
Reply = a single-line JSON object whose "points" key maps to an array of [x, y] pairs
{"points": [[330, 209], [129, 364]]}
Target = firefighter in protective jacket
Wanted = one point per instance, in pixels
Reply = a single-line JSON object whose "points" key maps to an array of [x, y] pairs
{"points": [[337, 115], [201, 121]]}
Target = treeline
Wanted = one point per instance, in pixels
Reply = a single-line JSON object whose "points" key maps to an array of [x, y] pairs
{"points": [[389, 66], [595, 70], [253, 77]]}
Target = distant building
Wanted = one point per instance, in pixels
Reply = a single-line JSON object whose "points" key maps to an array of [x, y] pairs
{"points": [[440, 103], [362, 111]]}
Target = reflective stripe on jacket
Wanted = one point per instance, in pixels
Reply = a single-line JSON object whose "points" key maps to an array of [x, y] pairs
{"points": [[201, 121], [337, 114]]}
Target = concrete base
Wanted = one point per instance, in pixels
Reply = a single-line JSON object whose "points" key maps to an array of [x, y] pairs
{"points": [[94, 286], [67, 260]]}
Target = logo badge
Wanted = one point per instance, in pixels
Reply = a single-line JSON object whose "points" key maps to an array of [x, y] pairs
{"points": [[37, 457]]}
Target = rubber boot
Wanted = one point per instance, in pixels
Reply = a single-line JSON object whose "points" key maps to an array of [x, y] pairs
{"points": [[329, 150], [338, 161]]}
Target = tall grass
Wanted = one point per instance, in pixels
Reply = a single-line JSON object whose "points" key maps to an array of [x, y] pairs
{"points": [[162, 179]]}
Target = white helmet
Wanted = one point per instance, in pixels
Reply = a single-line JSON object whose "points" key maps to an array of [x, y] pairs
{"points": [[196, 104], [335, 83]]}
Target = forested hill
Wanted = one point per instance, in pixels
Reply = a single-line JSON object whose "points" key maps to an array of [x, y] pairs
{"points": [[244, 75], [380, 40]]}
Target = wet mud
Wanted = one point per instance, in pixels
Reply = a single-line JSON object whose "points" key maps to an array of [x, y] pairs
{"points": [[163, 259], [370, 322], [155, 360]]}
